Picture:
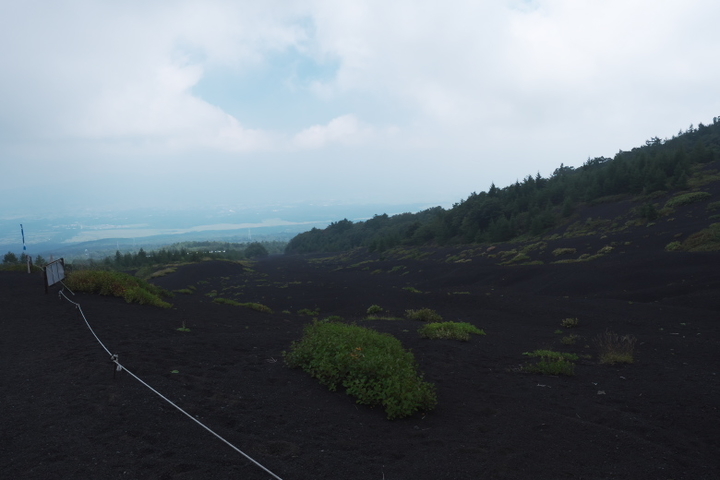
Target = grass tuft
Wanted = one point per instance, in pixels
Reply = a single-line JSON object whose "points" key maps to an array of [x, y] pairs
{"points": [[614, 348], [449, 330], [551, 363], [424, 315]]}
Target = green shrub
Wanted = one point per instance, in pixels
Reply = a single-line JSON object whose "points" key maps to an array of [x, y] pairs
{"points": [[309, 313], [373, 367], [614, 348], [449, 330], [551, 363], [373, 309], [424, 314], [686, 199], [117, 284], [564, 251]]}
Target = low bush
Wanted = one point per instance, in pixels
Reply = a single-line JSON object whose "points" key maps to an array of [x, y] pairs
{"points": [[424, 315], [117, 284], [564, 251], [614, 348], [449, 330], [373, 367], [551, 363], [309, 313]]}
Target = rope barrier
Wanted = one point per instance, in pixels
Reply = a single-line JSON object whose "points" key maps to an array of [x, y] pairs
{"points": [[120, 367]]}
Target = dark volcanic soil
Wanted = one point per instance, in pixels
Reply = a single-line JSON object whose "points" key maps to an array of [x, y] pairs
{"points": [[66, 415]]}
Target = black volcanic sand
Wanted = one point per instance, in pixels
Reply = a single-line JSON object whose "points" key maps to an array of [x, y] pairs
{"points": [[67, 415]]}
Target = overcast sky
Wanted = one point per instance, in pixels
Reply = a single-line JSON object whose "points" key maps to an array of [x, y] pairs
{"points": [[110, 104]]}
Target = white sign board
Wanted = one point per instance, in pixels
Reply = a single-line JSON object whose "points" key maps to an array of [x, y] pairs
{"points": [[55, 272]]}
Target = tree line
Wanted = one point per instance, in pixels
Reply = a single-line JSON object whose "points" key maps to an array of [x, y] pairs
{"points": [[531, 206], [181, 252]]}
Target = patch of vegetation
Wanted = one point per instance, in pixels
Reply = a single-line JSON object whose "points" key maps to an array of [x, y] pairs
{"points": [[183, 328], [257, 306], [449, 330], [570, 339], [686, 199], [520, 258], [117, 284], [551, 363], [564, 251], [162, 272], [397, 268], [713, 206], [226, 301], [382, 317], [333, 318], [186, 291], [373, 367], [424, 315], [569, 322], [373, 309], [614, 348], [252, 305], [706, 240], [309, 313], [605, 250], [672, 246], [412, 290]]}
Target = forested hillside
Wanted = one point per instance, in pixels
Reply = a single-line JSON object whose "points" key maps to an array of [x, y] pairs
{"points": [[535, 204]]}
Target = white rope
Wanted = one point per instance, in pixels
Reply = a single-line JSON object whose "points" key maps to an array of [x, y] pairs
{"points": [[120, 367], [77, 305]]}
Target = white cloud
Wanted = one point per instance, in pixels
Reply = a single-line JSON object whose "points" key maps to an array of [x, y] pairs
{"points": [[346, 130]]}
